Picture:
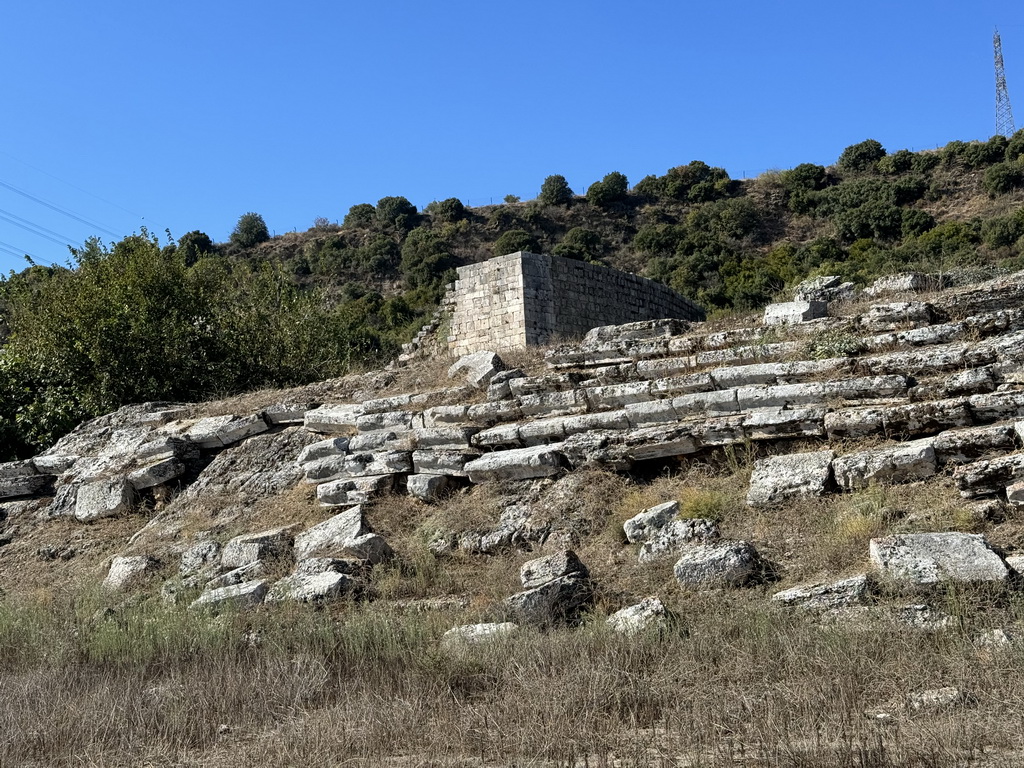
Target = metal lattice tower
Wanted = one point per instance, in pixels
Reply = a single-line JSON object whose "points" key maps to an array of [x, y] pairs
{"points": [[1004, 115]]}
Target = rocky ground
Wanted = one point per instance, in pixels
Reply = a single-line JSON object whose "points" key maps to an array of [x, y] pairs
{"points": [[848, 461]]}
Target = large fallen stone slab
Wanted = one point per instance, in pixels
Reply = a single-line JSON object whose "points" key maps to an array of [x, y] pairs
{"points": [[17, 487], [650, 522], [516, 464], [648, 615], [332, 446], [103, 498], [901, 463], [333, 419], [922, 559], [127, 572], [332, 535], [676, 536], [718, 565], [250, 547], [778, 478], [888, 317], [776, 423], [216, 432], [477, 368], [311, 588], [928, 418], [640, 330], [158, 473], [427, 487], [354, 490], [545, 569], [792, 312], [960, 446], [561, 601], [826, 595], [443, 462], [239, 596]]}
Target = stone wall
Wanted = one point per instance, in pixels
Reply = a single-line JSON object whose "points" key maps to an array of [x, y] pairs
{"points": [[524, 299]]}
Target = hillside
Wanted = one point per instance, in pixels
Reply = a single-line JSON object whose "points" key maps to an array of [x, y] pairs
{"points": [[731, 542], [192, 319]]}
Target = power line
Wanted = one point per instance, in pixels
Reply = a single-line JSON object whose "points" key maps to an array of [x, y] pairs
{"points": [[34, 230], [58, 209], [15, 251], [73, 186]]}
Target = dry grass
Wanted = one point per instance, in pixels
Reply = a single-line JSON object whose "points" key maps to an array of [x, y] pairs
{"points": [[738, 684]]}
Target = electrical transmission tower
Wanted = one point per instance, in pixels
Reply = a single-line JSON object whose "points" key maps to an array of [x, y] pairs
{"points": [[1004, 115]]}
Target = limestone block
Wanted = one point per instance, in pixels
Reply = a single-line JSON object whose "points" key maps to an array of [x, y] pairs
{"points": [[103, 498], [428, 488], [961, 446], [720, 430], [128, 572], [25, 485], [333, 419], [334, 446], [220, 431], [560, 601], [932, 558], [675, 536], [247, 595], [747, 375], [347, 566], [652, 412], [644, 329], [824, 288], [618, 395], [287, 414], [926, 418], [774, 423], [383, 439], [706, 402], [370, 547], [988, 476], [503, 435], [200, 556], [156, 474], [10, 469], [445, 415], [544, 569], [902, 463], [906, 282], [674, 386], [494, 413], [554, 403], [891, 385], [780, 396], [499, 387], [478, 634], [250, 547], [239, 575], [354, 490], [722, 564], [311, 588], [516, 464], [648, 615], [853, 422], [332, 534], [1015, 495], [778, 478], [397, 421], [440, 438], [442, 462], [997, 406], [887, 317], [826, 595], [377, 463], [974, 381], [648, 523], [477, 368], [792, 312], [539, 385]]}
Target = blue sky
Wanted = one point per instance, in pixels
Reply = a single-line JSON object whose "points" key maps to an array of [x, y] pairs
{"points": [[184, 115]]}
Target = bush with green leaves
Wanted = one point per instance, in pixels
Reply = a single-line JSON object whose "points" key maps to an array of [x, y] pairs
{"points": [[862, 157], [1014, 146], [426, 260], [516, 240], [193, 245], [250, 230], [580, 243], [396, 212], [611, 189], [360, 216], [897, 162], [446, 211], [1003, 177], [555, 191]]}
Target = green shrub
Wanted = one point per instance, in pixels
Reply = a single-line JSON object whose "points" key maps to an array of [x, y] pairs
{"points": [[250, 230], [510, 199], [611, 189], [861, 157], [396, 212], [555, 191], [447, 211], [896, 163], [359, 216], [580, 243], [1003, 177], [193, 246], [1014, 147], [516, 240]]}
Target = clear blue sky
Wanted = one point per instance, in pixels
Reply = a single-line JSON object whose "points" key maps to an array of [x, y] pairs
{"points": [[184, 115]]}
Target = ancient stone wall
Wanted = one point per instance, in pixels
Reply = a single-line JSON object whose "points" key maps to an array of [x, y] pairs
{"points": [[524, 298]]}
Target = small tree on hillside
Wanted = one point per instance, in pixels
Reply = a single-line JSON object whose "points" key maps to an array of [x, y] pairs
{"points": [[611, 189], [516, 240], [555, 191], [193, 246], [250, 230], [861, 157]]}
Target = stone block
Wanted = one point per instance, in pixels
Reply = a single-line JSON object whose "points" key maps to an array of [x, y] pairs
{"points": [[931, 558], [902, 463], [778, 478], [792, 312], [516, 464], [721, 564]]}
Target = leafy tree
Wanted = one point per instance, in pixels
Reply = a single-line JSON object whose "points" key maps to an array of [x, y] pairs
{"points": [[1015, 146], [448, 210], [611, 189], [396, 212], [555, 191], [359, 216], [1003, 177], [896, 163], [516, 240], [193, 246], [426, 260], [861, 157], [250, 230], [510, 199], [580, 243]]}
